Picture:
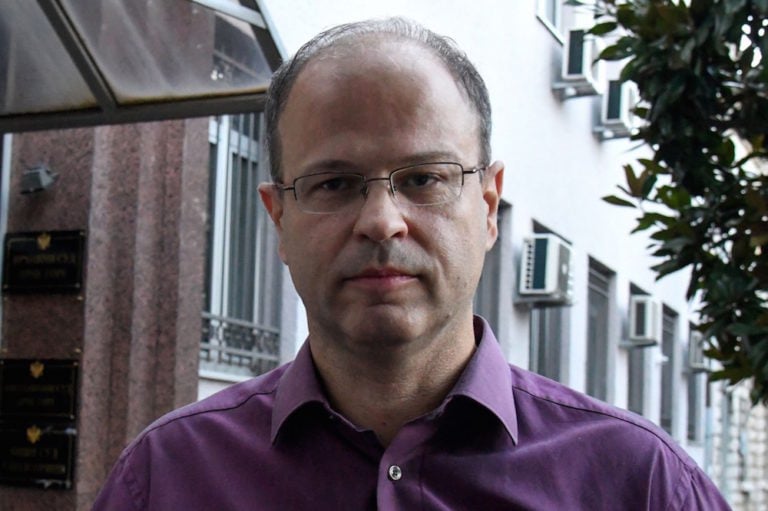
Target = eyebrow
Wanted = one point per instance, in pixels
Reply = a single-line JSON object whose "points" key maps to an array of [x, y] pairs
{"points": [[341, 165]]}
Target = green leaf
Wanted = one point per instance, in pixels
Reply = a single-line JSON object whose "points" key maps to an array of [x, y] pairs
{"points": [[665, 268], [614, 52], [626, 15], [746, 330], [732, 374], [733, 6], [726, 152], [652, 166], [648, 183], [633, 183], [618, 201], [603, 28]]}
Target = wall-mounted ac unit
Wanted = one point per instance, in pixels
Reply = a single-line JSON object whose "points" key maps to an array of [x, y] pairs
{"points": [[696, 361], [616, 117], [545, 270], [577, 76], [644, 321]]}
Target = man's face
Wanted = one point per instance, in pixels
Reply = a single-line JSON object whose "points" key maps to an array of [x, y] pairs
{"points": [[386, 272]]}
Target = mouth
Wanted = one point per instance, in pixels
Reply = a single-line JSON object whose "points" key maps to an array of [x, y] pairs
{"points": [[381, 278]]}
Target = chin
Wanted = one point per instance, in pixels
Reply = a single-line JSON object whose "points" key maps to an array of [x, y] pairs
{"points": [[384, 328]]}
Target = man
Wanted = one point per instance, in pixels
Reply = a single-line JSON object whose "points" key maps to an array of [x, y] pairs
{"points": [[385, 202]]}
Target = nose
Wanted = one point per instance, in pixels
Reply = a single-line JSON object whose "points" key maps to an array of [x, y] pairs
{"points": [[380, 217]]}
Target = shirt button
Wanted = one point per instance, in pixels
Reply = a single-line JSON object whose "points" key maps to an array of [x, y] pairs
{"points": [[395, 473]]}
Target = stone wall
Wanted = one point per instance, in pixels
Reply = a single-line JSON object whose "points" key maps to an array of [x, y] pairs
{"points": [[740, 448]]}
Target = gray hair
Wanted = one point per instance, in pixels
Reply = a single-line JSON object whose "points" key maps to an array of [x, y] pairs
{"points": [[444, 48]]}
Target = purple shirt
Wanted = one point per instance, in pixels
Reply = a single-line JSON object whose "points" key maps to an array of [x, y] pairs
{"points": [[504, 438]]}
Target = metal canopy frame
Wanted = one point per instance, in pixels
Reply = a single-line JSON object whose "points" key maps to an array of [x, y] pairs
{"points": [[110, 111]]}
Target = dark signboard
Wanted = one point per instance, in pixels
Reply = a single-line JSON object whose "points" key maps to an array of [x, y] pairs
{"points": [[43, 262], [38, 389], [37, 454], [38, 404]]}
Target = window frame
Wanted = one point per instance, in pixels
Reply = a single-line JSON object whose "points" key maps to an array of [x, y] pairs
{"points": [[599, 284], [241, 320]]}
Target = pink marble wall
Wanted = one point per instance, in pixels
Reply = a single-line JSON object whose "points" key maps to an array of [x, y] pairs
{"points": [[140, 192]]}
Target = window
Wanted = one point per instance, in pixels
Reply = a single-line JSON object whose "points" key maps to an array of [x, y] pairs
{"points": [[243, 274], [550, 12], [548, 342], [668, 329], [697, 391], [549, 328], [696, 397], [636, 372], [598, 314]]}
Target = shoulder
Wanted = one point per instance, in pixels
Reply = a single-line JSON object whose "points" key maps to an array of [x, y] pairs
{"points": [[184, 444], [537, 396], [615, 451], [546, 407], [224, 409]]}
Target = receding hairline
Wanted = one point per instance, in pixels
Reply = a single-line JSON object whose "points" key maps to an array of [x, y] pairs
{"points": [[368, 47], [357, 39]]}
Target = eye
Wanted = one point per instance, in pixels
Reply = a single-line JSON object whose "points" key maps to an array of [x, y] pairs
{"points": [[330, 183], [419, 179], [335, 184]]}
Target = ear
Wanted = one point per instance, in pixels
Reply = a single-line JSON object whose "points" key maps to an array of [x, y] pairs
{"points": [[492, 187], [272, 199]]}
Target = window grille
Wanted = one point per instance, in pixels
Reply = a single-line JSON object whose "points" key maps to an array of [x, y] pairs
{"points": [[241, 319]]}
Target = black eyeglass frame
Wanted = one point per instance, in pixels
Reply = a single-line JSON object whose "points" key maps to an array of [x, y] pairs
{"points": [[392, 188]]}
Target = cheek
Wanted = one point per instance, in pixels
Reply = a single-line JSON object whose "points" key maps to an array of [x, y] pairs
{"points": [[308, 248]]}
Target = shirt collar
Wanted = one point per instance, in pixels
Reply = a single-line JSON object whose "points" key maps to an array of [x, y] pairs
{"points": [[298, 386], [486, 380]]}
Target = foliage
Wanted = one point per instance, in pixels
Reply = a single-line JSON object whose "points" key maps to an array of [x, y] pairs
{"points": [[700, 69]]}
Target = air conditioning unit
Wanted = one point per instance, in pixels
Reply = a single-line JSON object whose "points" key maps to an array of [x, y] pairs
{"points": [[616, 117], [545, 273], [644, 321], [577, 76], [696, 361]]}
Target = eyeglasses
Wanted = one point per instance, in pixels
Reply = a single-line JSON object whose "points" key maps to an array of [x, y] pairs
{"points": [[425, 184]]}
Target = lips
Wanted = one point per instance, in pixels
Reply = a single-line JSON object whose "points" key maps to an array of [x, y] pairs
{"points": [[375, 273], [380, 278]]}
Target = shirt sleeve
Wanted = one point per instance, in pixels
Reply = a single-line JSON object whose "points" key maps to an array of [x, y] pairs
{"points": [[703, 495], [120, 492]]}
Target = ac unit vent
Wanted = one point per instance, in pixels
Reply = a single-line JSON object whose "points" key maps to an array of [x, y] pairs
{"points": [[616, 118], [545, 273], [644, 321], [577, 74], [696, 361]]}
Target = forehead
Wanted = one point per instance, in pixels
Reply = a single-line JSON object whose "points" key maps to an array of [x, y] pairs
{"points": [[371, 90]]}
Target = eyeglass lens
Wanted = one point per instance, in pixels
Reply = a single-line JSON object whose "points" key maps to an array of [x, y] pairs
{"points": [[420, 185]]}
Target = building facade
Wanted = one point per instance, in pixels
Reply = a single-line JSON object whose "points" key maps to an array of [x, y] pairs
{"points": [[184, 292]]}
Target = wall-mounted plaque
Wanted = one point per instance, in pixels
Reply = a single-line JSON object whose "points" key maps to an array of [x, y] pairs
{"points": [[37, 454], [39, 389], [43, 262]]}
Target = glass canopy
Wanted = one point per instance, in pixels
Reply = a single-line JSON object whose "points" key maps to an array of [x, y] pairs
{"points": [[66, 63]]}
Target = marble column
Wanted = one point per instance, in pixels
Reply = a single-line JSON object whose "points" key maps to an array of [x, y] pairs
{"points": [[140, 193]]}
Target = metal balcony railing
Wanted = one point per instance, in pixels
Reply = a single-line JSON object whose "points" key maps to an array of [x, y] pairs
{"points": [[235, 346]]}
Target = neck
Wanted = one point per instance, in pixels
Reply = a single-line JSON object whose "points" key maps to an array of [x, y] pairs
{"points": [[383, 389]]}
